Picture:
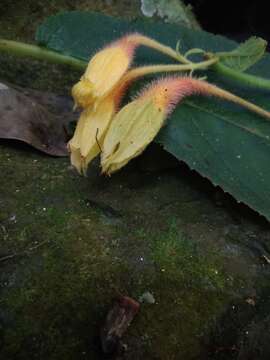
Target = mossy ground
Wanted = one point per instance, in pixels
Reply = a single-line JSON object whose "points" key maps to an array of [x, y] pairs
{"points": [[76, 243], [70, 245]]}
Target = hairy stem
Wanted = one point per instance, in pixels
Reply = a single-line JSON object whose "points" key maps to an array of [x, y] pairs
{"points": [[36, 52], [144, 40], [226, 95], [202, 87], [152, 69]]}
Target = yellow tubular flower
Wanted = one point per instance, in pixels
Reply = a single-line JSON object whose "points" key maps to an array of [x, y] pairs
{"points": [[103, 72], [74, 144], [89, 134], [137, 124], [95, 128]]}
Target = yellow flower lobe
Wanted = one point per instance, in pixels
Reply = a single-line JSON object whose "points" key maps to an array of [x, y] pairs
{"points": [[82, 93], [89, 134], [103, 72], [132, 129]]}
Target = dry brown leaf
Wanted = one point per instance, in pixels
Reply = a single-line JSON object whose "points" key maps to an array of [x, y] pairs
{"points": [[24, 118]]}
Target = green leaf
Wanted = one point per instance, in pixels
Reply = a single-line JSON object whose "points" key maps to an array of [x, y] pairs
{"points": [[223, 142], [245, 55]]}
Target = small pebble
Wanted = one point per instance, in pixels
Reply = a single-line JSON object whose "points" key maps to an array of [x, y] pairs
{"points": [[147, 297]]}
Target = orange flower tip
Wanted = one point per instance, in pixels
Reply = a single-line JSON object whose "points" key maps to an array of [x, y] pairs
{"points": [[129, 42], [166, 93], [137, 39], [128, 46]]}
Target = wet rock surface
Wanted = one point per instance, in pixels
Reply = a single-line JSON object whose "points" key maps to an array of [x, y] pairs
{"points": [[69, 245]]}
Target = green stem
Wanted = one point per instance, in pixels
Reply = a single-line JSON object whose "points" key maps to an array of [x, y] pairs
{"points": [[152, 69], [242, 77], [36, 52]]}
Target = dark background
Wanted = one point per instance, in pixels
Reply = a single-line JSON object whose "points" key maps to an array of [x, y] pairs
{"points": [[238, 19]]}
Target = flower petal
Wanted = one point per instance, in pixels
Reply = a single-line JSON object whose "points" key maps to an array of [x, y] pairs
{"points": [[103, 72], [89, 134], [132, 129]]}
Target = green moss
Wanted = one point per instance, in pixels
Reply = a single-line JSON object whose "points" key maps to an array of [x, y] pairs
{"points": [[79, 242], [178, 257], [71, 263], [189, 290]]}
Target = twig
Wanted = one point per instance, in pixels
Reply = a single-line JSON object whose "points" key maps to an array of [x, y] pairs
{"points": [[25, 252]]}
